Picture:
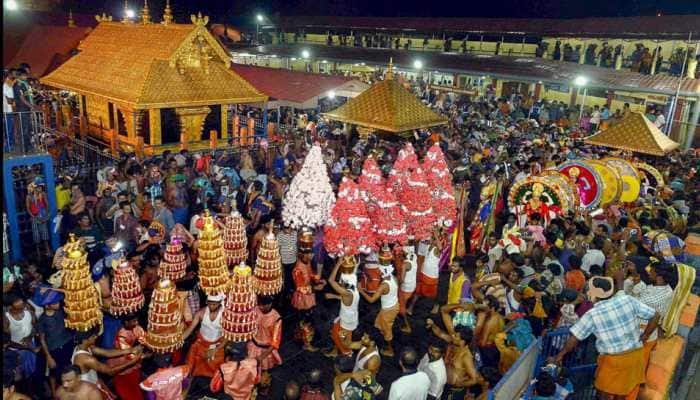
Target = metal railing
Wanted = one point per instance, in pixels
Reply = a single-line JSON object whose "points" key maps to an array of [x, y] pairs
{"points": [[23, 133], [27, 133], [516, 381]]}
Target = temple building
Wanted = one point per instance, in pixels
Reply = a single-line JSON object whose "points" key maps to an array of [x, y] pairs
{"points": [[153, 83], [45, 47], [387, 107]]}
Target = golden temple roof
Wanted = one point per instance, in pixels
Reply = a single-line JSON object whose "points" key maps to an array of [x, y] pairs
{"points": [[387, 106], [634, 133], [154, 65]]}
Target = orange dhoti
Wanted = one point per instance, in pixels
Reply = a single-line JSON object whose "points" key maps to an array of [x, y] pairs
{"points": [[648, 348], [621, 374], [197, 358], [427, 286], [385, 321], [340, 338], [403, 300]]}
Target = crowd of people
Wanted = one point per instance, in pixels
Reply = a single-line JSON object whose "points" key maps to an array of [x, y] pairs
{"points": [[439, 324]]}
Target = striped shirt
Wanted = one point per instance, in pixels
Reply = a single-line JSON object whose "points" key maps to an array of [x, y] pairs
{"points": [[615, 324], [657, 297], [288, 246]]}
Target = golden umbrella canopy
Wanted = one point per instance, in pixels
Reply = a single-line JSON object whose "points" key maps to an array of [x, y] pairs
{"points": [[387, 106], [634, 133]]}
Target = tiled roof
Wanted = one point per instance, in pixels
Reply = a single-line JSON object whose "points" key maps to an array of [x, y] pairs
{"points": [[16, 27], [643, 26], [43, 44], [502, 67], [136, 64], [634, 133], [286, 85], [387, 106]]}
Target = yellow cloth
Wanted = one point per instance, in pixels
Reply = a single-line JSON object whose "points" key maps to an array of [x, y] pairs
{"points": [[62, 197], [538, 311], [509, 354], [620, 374], [454, 293], [686, 278]]}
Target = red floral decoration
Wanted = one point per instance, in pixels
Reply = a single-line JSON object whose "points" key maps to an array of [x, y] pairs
{"points": [[405, 164], [440, 183], [416, 204], [349, 229]]}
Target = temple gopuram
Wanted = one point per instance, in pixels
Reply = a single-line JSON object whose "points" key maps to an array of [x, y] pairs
{"points": [[149, 85], [387, 107]]}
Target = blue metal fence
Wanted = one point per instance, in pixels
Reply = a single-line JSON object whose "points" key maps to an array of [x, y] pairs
{"points": [[580, 364]]}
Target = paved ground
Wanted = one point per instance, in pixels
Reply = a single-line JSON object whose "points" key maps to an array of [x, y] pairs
{"points": [[296, 363]]}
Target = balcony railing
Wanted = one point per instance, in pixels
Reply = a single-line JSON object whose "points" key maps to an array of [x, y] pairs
{"points": [[24, 133]]}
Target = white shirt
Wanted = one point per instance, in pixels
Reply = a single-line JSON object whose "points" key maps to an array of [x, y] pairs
{"points": [[392, 298], [660, 121], [211, 331], [592, 257], [595, 118], [410, 387], [7, 93], [423, 247], [437, 373], [348, 315], [180, 159], [494, 254], [409, 280], [431, 264]]}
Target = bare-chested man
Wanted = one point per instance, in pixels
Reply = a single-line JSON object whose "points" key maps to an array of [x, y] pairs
{"points": [[488, 324], [459, 358], [73, 388], [85, 358]]}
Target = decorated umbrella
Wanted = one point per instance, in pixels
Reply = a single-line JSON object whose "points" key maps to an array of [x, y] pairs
{"points": [[569, 200], [612, 182], [630, 178], [587, 181], [536, 195], [650, 176]]}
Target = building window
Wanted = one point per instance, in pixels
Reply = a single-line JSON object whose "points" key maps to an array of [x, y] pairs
{"points": [[110, 108], [121, 124], [212, 122], [169, 126], [146, 126]]}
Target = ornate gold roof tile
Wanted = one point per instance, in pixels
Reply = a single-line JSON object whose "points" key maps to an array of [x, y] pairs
{"points": [[634, 133], [165, 87], [387, 106], [146, 64]]}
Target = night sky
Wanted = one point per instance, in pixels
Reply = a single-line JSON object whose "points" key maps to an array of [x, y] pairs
{"points": [[226, 11]]}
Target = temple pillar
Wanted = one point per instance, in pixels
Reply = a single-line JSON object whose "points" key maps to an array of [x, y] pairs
{"points": [[224, 122], [138, 124], [537, 93], [236, 134], [574, 94], [192, 121], [693, 125], [250, 133], [132, 120], [265, 120], [692, 67], [155, 135]]}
